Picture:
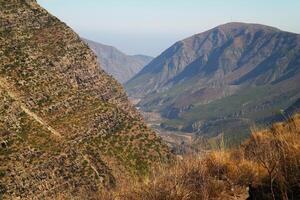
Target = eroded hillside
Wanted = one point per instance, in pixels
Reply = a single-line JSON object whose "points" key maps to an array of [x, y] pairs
{"points": [[65, 125]]}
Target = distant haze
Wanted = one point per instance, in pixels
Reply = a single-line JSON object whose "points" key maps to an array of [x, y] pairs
{"points": [[149, 27]]}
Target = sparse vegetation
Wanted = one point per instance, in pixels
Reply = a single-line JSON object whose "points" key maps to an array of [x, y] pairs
{"points": [[68, 131], [63, 121], [266, 166]]}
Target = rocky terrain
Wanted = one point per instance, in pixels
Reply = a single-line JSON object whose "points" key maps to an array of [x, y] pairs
{"points": [[65, 125], [227, 78], [116, 63]]}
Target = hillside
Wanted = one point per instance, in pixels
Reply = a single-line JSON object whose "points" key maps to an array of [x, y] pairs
{"points": [[224, 79], [116, 63], [65, 125]]}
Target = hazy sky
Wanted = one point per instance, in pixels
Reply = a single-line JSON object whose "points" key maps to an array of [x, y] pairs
{"points": [[150, 26]]}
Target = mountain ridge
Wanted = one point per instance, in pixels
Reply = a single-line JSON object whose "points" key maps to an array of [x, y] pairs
{"points": [[115, 62], [187, 42], [238, 61]]}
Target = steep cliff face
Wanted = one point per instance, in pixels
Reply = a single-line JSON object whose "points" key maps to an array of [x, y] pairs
{"points": [[121, 66], [65, 125]]}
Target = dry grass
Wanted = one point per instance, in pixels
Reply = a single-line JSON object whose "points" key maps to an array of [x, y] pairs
{"points": [[277, 150], [217, 175], [268, 165]]}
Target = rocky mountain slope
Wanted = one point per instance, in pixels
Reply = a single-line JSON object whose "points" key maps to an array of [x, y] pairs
{"points": [[222, 80], [65, 125], [121, 66]]}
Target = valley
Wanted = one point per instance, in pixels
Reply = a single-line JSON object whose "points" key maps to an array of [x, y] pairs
{"points": [[214, 116], [224, 80], [179, 142]]}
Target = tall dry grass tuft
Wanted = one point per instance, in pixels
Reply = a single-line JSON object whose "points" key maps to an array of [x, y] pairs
{"points": [[277, 150], [217, 175]]}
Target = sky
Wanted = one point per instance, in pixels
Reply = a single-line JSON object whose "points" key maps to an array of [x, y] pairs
{"points": [[151, 26]]}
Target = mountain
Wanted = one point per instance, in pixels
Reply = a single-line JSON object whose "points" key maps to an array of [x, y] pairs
{"points": [[221, 80], [121, 66], [65, 125]]}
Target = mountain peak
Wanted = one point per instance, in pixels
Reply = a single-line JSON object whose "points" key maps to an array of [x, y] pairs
{"points": [[242, 25], [234, 62], [232, 29]]}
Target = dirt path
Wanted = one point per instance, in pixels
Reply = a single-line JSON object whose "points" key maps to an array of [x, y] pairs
{"points": [[40, 120], [85, 157], [4, 85]]}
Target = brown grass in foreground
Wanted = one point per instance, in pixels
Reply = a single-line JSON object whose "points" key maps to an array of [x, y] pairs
{"points": [[266, 166], [217, 175]]}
